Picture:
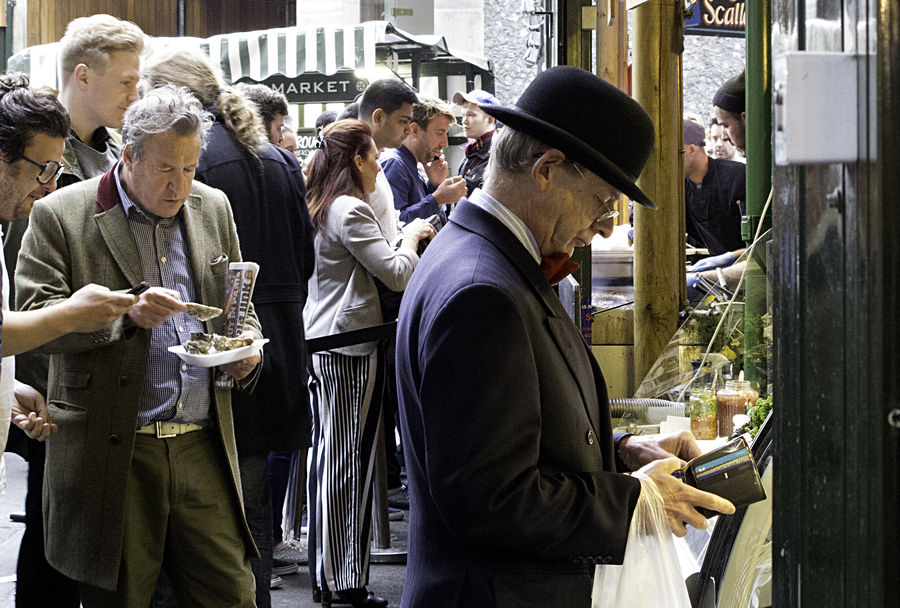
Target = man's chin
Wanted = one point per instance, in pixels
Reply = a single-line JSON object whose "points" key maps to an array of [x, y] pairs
{"points": [[24, 210]]}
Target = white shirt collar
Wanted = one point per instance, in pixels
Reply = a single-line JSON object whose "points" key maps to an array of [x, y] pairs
{"points": [[484, 201]]}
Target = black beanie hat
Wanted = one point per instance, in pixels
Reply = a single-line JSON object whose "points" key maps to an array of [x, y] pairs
{"points": [[730, 96]]}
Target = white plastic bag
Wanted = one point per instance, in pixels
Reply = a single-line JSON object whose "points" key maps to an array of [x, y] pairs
{"points": [[650, 576]]}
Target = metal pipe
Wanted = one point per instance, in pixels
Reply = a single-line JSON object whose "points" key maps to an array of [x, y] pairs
{"points": [[659, 250], [179, 18], [8, 38]]}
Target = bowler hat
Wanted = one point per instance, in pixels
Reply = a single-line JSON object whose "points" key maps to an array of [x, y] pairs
{"points": [[588, 119]]}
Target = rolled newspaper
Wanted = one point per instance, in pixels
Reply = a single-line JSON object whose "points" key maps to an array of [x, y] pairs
{"points": [[238, 291]]}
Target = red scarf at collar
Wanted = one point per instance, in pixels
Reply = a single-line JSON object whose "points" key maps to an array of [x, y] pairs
{"points": [[558, 266]]}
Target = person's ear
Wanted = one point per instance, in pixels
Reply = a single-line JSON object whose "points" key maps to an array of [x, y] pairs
{"points": [[127, 156], [378, 116], [358, 160], [414, 129], [743, 118], [548, 167], [81, 75]]}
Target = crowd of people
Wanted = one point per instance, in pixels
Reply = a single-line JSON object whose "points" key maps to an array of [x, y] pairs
{"points": [[153, 481]]}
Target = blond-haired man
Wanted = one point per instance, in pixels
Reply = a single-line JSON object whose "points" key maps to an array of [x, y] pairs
{"points": [[100, 64], [413, 196]]}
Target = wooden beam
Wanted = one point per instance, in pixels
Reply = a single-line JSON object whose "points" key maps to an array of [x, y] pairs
{"points": [[659, 240]]}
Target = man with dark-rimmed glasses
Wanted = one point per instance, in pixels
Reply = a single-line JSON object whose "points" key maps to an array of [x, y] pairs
{"points": [[33, 128]]}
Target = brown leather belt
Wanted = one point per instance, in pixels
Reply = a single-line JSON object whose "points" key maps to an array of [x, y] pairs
{"points": [[164, 430]]}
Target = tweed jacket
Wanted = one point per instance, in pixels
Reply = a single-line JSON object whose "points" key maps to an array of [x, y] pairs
{"points": [[514, 494], [76, 236], [351, 249]]}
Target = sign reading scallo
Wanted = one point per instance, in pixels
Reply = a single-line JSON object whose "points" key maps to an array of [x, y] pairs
{"points": [[716, 18]]}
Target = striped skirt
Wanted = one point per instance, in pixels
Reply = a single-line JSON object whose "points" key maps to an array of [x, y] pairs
{"points": [[345, 397]]}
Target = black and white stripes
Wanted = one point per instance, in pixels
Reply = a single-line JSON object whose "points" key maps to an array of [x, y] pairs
{"points": [[345, 395]]}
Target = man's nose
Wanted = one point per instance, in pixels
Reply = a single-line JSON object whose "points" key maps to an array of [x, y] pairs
{"points": [[604, 227], [177, 181], [49, 186]]}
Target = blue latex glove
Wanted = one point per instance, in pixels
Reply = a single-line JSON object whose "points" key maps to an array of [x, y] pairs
{"points": [[713, 261]]}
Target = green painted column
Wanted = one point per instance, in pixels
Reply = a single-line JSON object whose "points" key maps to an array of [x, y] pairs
{"points": [[759, 182]]}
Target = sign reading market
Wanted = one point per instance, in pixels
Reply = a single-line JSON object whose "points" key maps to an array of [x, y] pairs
{"points": [[716, 18], [313, 87]]}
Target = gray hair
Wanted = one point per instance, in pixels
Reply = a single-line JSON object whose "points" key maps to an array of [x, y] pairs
{"points": [[164, 109], [512, 153]]}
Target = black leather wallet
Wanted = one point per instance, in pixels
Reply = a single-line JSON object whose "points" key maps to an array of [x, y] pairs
{"points": [[729, 471]]}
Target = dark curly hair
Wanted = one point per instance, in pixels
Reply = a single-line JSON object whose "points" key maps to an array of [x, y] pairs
{"points": [[332, 171], [24, 112]]}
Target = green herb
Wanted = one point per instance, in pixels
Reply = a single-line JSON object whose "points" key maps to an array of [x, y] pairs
{"points": [[758, 414]]}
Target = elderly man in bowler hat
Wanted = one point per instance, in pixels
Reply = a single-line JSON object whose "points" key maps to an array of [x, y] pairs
{"points": [[514, 472]]}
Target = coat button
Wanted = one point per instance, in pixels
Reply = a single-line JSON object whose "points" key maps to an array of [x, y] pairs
{"points": [[123, 380], [114, 439], [590, 437]]}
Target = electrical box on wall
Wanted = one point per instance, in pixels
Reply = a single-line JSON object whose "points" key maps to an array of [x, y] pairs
{"points": [[815, 108]]}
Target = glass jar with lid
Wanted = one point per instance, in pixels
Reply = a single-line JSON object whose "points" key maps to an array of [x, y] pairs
{"points": [[735, 398]]}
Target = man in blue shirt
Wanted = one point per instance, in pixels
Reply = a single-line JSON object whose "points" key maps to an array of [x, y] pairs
{"points": [[414, 196]]}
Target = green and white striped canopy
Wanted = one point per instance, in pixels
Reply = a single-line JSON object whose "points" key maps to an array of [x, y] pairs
{"points": [[289, 51]]}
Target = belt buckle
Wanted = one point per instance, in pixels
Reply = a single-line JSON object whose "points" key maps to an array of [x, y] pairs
{"points": [[160, 434]]}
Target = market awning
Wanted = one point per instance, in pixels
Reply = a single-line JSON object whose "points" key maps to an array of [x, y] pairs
{"points": [[290, 51]]}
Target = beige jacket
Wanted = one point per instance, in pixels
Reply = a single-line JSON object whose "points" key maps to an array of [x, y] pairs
{"points": [[349, 252]]}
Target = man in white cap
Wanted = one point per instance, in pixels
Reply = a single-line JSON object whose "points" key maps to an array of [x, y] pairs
{"points": [[479, 126]]}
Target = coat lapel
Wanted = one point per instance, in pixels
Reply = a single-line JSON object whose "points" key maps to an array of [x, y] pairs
{"points": [[569, 341], [115, 230], [195, 235]]}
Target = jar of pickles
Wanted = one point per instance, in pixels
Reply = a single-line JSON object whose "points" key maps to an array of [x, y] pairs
{"points": [[734, 399], [703, 412]]}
